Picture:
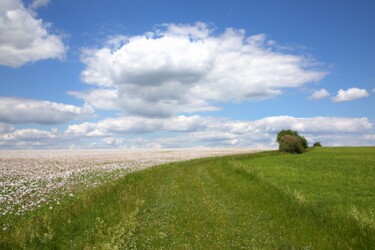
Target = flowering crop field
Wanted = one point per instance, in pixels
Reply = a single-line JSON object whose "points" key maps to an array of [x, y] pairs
{"points": [[32, 179]]}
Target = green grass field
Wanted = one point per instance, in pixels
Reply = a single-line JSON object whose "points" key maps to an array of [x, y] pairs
{"points": [[322, 199]]}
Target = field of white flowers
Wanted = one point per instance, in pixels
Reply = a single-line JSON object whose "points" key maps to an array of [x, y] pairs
{"points": [[33, 179]]}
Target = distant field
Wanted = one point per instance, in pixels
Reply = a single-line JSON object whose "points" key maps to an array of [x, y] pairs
{"points": [[322, 199]]}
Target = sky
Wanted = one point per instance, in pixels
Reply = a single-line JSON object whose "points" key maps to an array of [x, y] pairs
{"points": [[178, 74]]}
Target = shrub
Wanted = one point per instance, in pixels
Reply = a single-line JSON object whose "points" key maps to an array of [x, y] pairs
{"points": [[286, 132], [303, 141], [317, 144], [292, 133], [291, 144]]}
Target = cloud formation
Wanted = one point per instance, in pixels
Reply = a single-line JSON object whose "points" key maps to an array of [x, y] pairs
{"points": [[25, 38], [30, 135], [39, 3], [190, 131], [18, 110], [139, 125], [187, 68], [350, 95], [105, 99], [209, 131], [319, 94], [31, 139]]}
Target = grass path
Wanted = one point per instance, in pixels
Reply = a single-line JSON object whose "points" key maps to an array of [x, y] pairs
{"points": [[255, 201]]}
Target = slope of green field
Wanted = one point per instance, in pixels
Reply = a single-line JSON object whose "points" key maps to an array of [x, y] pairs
{"points": [[322, 199]]}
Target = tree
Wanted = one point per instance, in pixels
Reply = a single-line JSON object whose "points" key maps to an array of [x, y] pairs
{"points": [[304, 142], [292, 143], [317, 144], [286, 132]]}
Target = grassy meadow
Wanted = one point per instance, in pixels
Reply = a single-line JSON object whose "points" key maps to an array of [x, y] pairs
{"points": [[322, 199]]}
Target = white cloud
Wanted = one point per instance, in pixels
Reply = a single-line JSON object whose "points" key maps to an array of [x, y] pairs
{"points": [[314, 125], [210, 131], [86, 129], [32, 138], [350, 94], [138, 125], [18, 110], [186, 68], [23, 37], [331, 131], [29, 135], [319, 94], [113, 141], [373, 90], [39, 3], [99, 98], [191, 131]]}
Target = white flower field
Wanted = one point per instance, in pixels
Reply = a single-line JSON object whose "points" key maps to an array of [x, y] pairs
{"points": [[33, 179]]}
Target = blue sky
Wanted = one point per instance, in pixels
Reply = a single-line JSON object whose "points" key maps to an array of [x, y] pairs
{"points": [[141, 74]]}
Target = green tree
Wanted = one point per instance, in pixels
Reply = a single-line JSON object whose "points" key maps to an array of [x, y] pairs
{"points": [[286, 132], [292, 143], [317, 144], [304, 142]]}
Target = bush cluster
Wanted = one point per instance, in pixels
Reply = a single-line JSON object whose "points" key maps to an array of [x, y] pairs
{"points": [[317, 144], [291, 142]]}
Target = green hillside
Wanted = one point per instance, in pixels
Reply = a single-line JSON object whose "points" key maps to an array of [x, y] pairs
{"points": [[322, 199]]}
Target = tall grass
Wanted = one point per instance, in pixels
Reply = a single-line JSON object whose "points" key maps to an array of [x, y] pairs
{"points": [[323, 199]]}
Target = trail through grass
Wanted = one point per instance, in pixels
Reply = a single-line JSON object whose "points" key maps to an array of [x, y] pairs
{"points": [[323, 199]]}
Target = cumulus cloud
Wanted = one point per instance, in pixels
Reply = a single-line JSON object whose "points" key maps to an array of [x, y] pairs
{"points": [[138, 125], [191, 131], [18, 110], [334, 131], [209, 131], [29, 135], [112, 141], [186, 68], [25, 38], [350, 94], [32, 138], [319, 94], [106, 99], [314, 124]]}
